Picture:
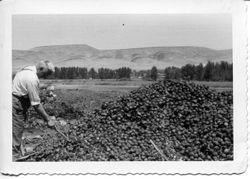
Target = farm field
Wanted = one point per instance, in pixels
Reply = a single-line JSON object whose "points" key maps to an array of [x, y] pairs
{"points": [[115, 85]]}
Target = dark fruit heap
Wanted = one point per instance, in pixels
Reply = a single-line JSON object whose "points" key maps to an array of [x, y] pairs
{"points": [[168, 120]]}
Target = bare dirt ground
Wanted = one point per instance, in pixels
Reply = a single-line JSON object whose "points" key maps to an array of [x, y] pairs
{"points": [[115, 85]]}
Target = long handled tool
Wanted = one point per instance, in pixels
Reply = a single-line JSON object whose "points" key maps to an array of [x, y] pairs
{"points": [[159, 151], [60, 132], [26, 156]]}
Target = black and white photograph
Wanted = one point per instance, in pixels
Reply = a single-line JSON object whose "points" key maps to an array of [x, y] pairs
{"points": [[122, 87]]}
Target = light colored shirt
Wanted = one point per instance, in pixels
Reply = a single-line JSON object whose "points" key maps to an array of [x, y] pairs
{"points": [[26, 82]]}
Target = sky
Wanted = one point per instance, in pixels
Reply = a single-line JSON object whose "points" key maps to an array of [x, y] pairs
{"points": [[123, 31]]}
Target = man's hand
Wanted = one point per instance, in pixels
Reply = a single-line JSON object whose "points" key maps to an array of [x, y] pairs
{"points": [[51, 121]]}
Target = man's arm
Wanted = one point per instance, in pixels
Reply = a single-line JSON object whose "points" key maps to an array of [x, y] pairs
{"points": [[33, 92], [40, 110]]}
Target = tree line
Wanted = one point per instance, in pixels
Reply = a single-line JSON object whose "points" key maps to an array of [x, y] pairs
{"points": [[84, 73], [220, 71]]}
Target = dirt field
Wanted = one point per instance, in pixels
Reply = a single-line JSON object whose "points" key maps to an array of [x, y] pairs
{"points": [[218, 86], [114, 85]]}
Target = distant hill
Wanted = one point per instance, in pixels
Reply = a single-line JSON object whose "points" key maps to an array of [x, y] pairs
{"points": [[135, 58]]}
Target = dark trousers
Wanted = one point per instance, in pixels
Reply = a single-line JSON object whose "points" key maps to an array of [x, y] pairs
{"points": [[20, 106]]}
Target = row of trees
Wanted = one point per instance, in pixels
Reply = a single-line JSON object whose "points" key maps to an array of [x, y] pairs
{"points": [[83, 73], [222, 71]]}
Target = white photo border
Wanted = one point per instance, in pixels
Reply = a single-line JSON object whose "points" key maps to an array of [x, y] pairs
{"points": [[235, 7]]}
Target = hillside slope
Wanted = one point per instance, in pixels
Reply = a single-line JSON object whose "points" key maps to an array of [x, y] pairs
{"points": [[135, 58]]}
